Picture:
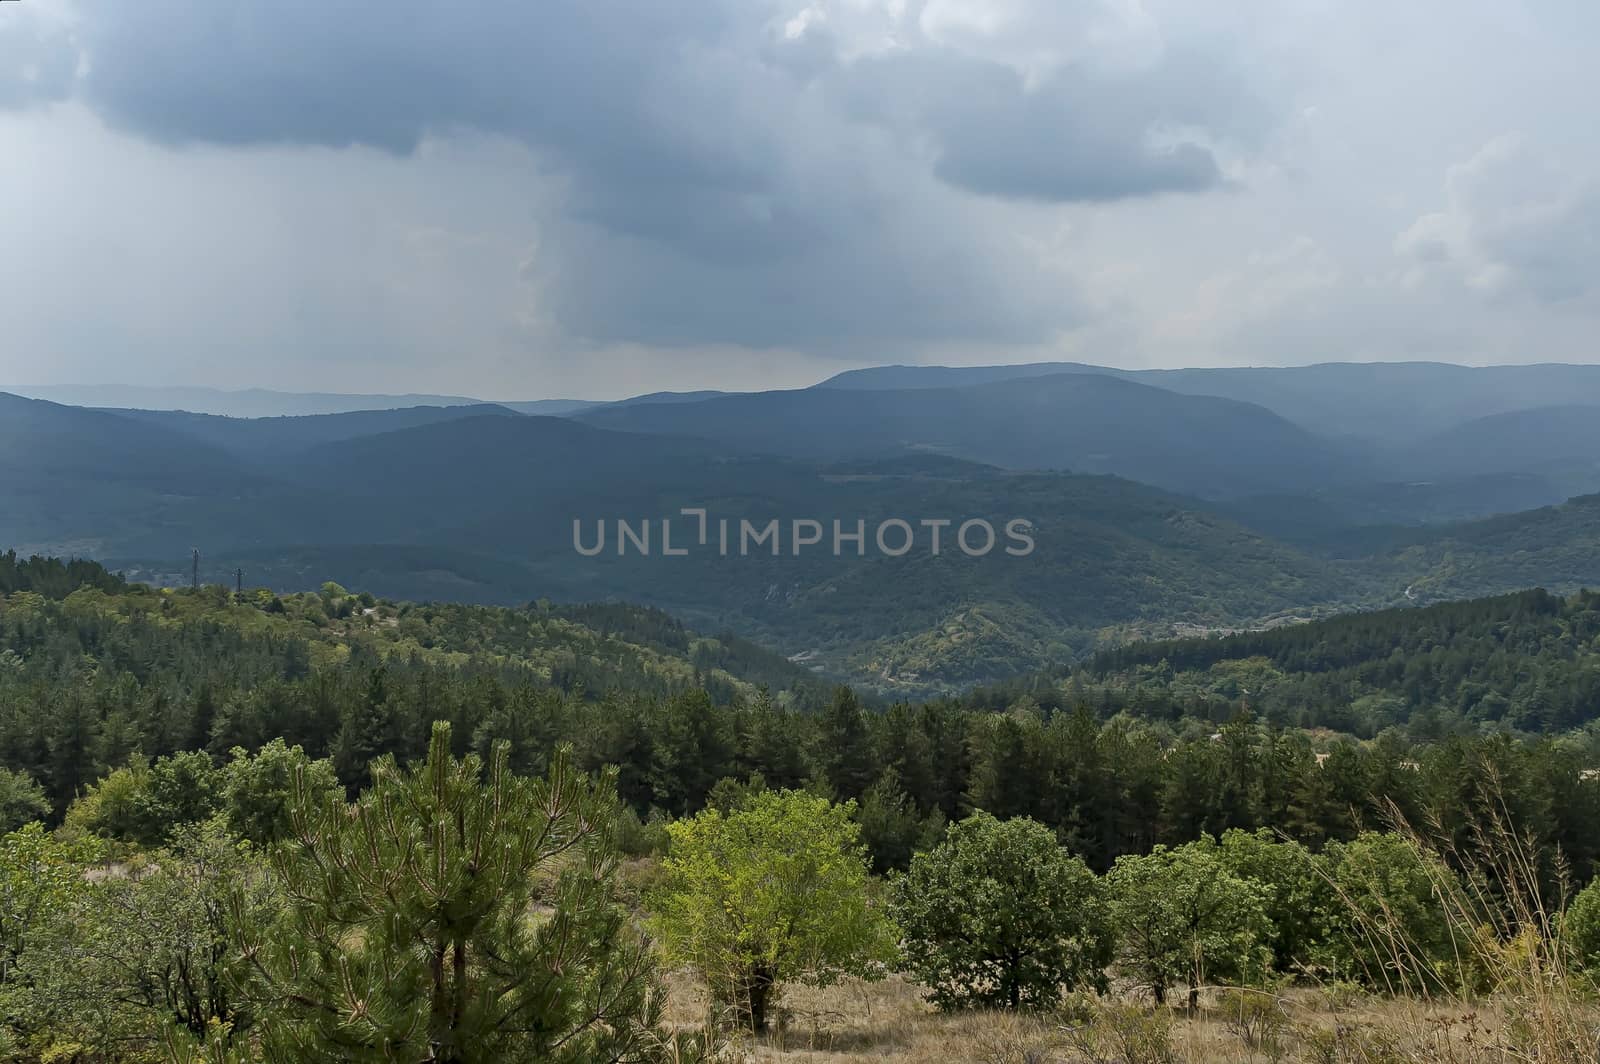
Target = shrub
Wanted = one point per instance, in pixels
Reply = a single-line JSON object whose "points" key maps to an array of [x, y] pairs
{"points": [[1000, 915]]}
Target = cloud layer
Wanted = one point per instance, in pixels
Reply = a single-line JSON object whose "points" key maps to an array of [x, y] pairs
{"points": [[515, 198]]}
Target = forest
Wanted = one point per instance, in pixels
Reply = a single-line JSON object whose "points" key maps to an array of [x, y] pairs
{"points": [[328, 826]]}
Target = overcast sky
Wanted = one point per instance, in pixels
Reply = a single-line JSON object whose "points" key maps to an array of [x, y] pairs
{"points": [[528, 198]]}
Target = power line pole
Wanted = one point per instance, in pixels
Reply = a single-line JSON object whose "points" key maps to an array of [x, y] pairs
{"points": [[238, 581], [194, 574]]}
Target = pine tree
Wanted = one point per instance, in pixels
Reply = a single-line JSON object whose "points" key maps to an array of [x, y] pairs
{"points": [[847, 755], [369, 730], [454, 912]]}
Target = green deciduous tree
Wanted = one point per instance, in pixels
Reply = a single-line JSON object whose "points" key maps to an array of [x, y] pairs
{"points": [[40, 875], [1182, 919], [258, 790], [1000, 915], [1580, 930], [1300, 902], [772, 891], [1398, 929], [143, 952], [21, 800], [143, 803], [454, 912]]}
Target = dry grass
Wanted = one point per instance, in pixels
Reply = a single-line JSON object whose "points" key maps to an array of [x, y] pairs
{"points": [[1506, 996], [855, 1022]]}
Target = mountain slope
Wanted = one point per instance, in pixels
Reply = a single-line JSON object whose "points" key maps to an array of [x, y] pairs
{"points": [[268, 437], [1384, 401], [256, 637], [69, 440], [897, 378], [549, 407], [1088, 423], [488, 457], [570, 407], [249, 402], [80, 479], [1330, 516], [1549, 439], [1112, 558], [484, 506], [1529, 660], [1557, 547]]}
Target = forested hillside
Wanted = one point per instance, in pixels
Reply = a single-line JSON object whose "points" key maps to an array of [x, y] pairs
{"points": [[1528, 661], [92, 671], [192, 750], [1123, 746]]}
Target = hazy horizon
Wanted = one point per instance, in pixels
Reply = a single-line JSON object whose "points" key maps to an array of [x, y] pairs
{"points": [[51, 391]]}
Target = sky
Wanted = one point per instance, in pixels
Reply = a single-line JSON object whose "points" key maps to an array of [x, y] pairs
{"points": [[597, 198]]}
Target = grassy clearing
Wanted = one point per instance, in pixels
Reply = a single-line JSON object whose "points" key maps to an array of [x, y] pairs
{"points": [[856, 1021]]}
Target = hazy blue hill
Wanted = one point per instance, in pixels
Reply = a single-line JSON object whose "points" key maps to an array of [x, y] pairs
{"points": [[1083, 422], [892, 378], [1331, 516], [571, 407], [489, 458], [1559, 440], [480, 509], [549, 407], [76, 480], [1390, 402], [68, 440], [250, 402], [667, 397], [1394, 402], [270, 437]]}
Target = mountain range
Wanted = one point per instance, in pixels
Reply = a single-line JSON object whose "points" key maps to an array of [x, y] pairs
{"points": [[1392, 402], [1155, 508]]}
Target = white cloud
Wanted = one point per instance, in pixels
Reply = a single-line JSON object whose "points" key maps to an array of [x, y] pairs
{"points": [[1515, 226]]}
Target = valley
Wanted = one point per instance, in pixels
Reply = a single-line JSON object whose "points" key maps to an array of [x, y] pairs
{"points": [[1158, 511]]}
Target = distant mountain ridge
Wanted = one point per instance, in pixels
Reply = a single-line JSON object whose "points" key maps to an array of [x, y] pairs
{"points": [[248, 402], [1386, 401], [1088, 423], [276, 436]]}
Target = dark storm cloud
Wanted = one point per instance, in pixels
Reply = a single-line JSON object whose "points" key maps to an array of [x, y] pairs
{"points": [[678, 94], [1077, 135], [725, 173], [608, 86]]}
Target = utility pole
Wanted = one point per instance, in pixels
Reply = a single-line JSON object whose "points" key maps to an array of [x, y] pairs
{"points": [[238, 581], [194, 574]]}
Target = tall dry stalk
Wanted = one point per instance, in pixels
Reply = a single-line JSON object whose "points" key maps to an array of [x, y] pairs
{"points": [[1505, 944]]}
